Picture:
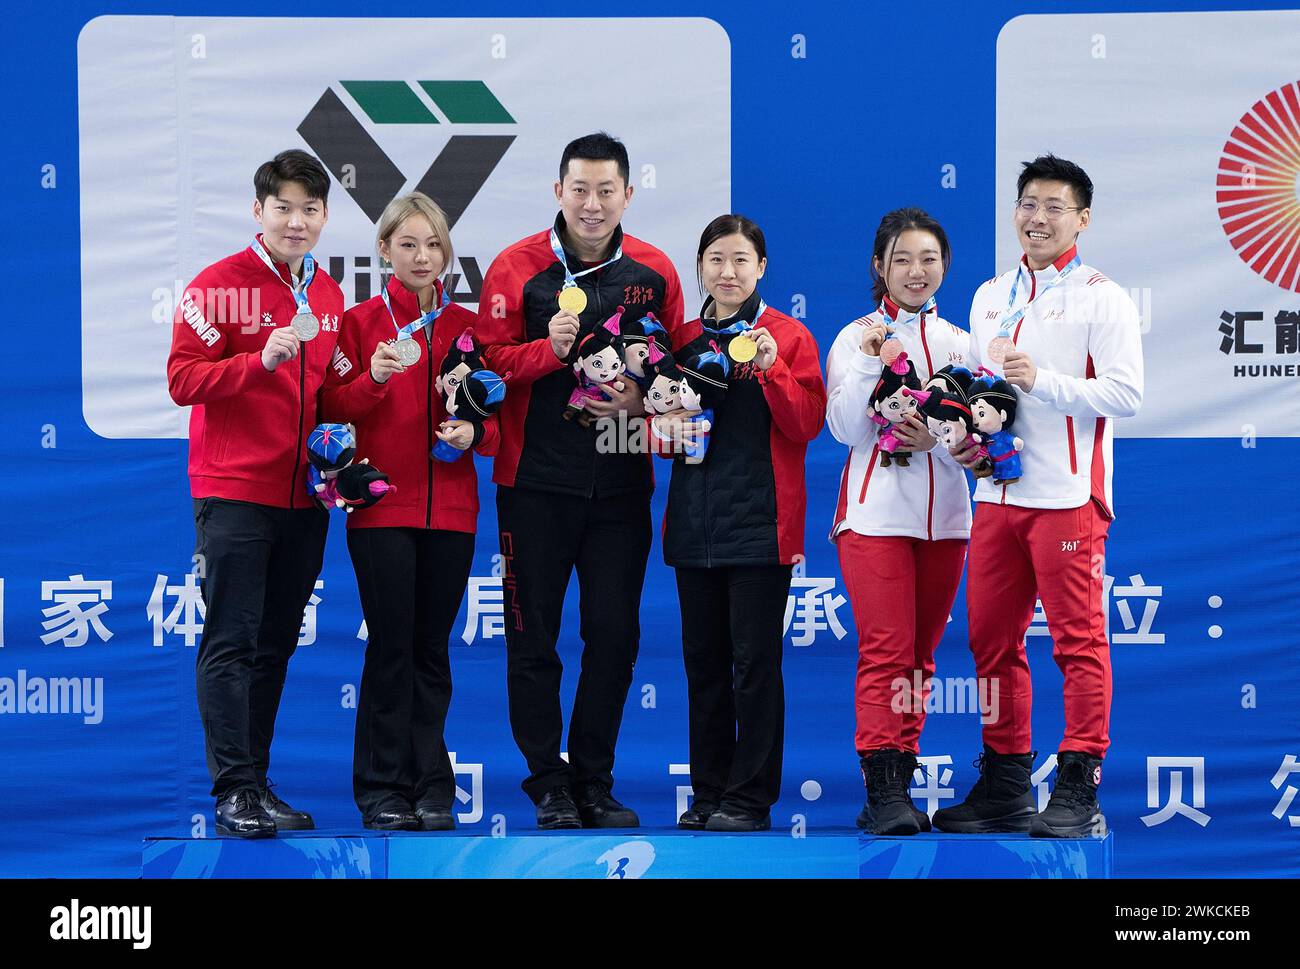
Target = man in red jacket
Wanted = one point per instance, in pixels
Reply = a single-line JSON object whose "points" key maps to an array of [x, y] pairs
{"points": [[562, 502], [252, 338]]}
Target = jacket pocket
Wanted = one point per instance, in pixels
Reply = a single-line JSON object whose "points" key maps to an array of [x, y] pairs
{"points": [[1069, 437]]}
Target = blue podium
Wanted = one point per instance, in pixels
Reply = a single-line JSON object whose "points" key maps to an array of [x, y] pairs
{"points": [[643, 853]]}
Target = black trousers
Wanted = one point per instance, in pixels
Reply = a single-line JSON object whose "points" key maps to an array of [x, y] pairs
{"points": [[412, 581], [258, 567], [732, 631], [544, 537]]}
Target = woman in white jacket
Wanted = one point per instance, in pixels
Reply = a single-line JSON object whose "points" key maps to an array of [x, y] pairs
{"points": [[901, 531]]}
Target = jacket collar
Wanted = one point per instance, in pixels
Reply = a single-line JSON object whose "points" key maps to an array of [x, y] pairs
{"points": [[902, 316], [406, 307], [282, 268], [570, 256], [1059, 263], [746, 312]]}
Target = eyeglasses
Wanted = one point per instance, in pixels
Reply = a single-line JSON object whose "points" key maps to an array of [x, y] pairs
{"points": [[1028, 208]]}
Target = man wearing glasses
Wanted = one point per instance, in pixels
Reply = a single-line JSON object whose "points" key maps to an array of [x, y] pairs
{"points": [[1063, 345]]}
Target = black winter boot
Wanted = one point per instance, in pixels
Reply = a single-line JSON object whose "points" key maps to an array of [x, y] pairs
{"points": [[1001, 800], [1073, 811], [910, 765], [888, 809]]}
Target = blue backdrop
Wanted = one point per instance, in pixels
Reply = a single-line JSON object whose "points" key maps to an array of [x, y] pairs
{"points": [[1206, 697]]}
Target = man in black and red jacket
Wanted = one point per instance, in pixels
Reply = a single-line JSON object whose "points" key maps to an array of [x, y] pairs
{"points": [[562, 502], [252, 339]]}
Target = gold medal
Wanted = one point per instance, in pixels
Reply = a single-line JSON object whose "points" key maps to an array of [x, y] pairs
{"points": [[573, 299], [742, 349]]}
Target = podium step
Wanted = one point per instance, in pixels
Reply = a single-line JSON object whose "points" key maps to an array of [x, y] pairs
{"points": [[645, 853]]}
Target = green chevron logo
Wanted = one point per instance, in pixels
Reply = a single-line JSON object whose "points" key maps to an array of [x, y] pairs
{"points": [[371, 178]]}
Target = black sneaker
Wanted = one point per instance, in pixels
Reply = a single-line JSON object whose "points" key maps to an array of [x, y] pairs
{"points": [[1001, 800], [285, 817], [557, 810], [598, 808], [888, 809], [240, 815], [1073, 811]]}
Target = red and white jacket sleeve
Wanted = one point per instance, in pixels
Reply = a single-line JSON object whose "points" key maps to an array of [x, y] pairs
{"points": [[851, 376], [793, 386], [1115, 347], [500, 329]]}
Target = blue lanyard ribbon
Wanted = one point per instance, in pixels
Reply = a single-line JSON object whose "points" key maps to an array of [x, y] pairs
{"points": [[308, 273], [570, 277], [1008, 321], [741, 326], [890, 321], [424, 319]]}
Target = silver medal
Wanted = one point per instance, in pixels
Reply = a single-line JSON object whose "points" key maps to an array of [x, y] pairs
{"points": [[408, 352], [305, 325]]}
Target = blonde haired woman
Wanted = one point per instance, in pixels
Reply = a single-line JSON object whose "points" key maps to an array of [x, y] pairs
{"points": [[412, 551]]}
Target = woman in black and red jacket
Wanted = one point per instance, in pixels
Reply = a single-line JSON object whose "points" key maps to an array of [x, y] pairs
{"points": [[734, 527], [412, 551]]}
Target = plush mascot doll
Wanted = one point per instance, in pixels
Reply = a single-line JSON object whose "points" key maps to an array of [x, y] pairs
{"points": [[464, 360], [637, 338], [890, 406], [993, 407], [952, 380], [477, 398], [703, 387], [663, 383], [949, 419], [598, 362], [333, 478]]}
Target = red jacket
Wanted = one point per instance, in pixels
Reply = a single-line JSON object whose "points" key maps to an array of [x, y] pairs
{"points": [[249, 426], [396, 420]]}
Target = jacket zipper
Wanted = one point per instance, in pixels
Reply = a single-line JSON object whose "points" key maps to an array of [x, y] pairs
{"points": [[600, 311], [929, 511], [866, 478], [1069, 434], [929, 458], [428, 419], [302, 414]]}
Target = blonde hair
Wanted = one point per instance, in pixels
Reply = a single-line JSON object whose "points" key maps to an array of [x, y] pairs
{"points": [[417, 203]]}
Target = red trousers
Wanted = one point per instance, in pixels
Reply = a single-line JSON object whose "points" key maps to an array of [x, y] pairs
{"points": [[902, 590], [1058, 555]]}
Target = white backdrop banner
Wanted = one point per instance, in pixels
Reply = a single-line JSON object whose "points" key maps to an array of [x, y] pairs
{"points": [[1189, 125], [177, 113]]}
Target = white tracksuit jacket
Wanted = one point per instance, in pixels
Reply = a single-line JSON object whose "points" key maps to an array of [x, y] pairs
{"points": [[1084, 337], [930, 499]]}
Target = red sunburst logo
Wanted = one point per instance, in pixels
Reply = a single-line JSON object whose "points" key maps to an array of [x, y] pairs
{"points": [[1259, 187]]}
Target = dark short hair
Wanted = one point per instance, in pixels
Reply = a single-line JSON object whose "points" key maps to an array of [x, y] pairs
{"points": [[893, 225], [600, 146], [726, 225], [1050, 168], [293, 165]]}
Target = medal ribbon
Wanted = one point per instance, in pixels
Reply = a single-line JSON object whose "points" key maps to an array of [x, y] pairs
{"points": [[570, 277], [408, 331], [742, 326], [308, 273], [883, 310], [1008, 321]]}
